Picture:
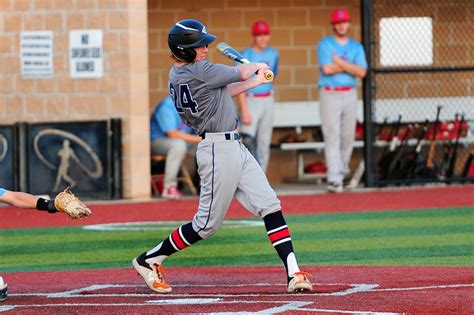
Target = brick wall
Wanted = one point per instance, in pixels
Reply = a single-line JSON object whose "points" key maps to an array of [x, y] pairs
{"points": [[121, 92], [297, 26]]}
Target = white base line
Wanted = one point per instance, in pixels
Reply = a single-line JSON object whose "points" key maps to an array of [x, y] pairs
{"points": [[290, 306], [6, 308], [447, 286]]}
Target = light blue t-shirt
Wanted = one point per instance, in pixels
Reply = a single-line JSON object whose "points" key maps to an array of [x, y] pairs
{"points": [[166, 118], [352, 52], [2, 191], [268, 56]]}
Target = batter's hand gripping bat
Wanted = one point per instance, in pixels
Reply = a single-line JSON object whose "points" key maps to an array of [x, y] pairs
{"points": [[233, 54]]}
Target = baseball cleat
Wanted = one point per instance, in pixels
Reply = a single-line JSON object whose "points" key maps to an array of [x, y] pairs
{"points": [[300, 282], [153, 276]]}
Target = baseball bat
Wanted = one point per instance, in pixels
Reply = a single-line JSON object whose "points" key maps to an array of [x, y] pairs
{"points": [[454, 152], [395, 162], [233, 54], [431, 152], [409, 171], [360, 170], [386, 157]]}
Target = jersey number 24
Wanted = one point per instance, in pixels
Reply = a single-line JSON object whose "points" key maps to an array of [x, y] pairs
{"points": [[183, 99]]}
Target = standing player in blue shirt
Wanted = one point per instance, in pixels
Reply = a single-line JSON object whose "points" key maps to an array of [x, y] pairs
{"points": [[341, 61], [170, 137], [257, 105]]}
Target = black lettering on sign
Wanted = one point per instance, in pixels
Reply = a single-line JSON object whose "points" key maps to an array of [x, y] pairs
{"points": [[86, 53], [85, 66], [84, 39]]}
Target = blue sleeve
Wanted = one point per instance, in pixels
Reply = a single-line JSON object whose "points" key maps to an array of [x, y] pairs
{"points": [[2, 191], [165, 116], [275, 68], [360, 59], [324, 54]]}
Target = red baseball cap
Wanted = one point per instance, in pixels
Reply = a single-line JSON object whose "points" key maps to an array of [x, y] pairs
{"points": [[260, 27], [339, 16]]}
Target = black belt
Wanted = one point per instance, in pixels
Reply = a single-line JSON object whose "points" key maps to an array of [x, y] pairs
{"points": [[227, 135]]}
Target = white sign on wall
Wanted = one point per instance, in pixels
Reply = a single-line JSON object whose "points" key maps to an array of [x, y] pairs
{"points": [[36, 54], [406, 41], [86, 54]]}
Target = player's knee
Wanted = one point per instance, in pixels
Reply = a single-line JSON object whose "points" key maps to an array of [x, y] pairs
{"points": [[208, 231]]}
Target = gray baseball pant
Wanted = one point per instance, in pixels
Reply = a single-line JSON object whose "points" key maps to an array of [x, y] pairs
{"points": [[228, 170], [338, 118]]}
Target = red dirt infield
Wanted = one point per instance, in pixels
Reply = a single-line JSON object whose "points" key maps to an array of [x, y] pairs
{"points": [[340, 290], [160, 210]]}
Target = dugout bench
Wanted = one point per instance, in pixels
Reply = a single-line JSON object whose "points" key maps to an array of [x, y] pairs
{"points": [[299, 115]]}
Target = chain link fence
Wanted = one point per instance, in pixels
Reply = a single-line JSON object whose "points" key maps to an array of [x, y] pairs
{"points": [[423, 68]]}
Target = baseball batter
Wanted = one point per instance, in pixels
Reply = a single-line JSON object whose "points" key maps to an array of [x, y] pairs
{"points": [[202, 93], [341, 60]]}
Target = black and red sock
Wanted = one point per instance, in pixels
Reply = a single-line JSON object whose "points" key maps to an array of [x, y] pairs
{"points": [[181, 238], [280, 237]]}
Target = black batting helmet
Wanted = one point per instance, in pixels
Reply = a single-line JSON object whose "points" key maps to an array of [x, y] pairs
{"points": [[185, 35]]}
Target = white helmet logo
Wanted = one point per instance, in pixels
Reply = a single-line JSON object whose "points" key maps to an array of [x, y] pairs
{"points": [[204, 30]]}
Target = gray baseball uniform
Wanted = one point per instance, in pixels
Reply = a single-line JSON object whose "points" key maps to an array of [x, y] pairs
{"points": [[226, 167]]}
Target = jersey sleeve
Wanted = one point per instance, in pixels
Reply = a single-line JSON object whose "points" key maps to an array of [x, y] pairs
{"points": [[360, 59], [2, 191], [218, 75], [277, 60], [324, 54]]}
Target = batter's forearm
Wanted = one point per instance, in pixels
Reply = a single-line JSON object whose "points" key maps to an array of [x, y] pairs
{"points": [[240, 87]]}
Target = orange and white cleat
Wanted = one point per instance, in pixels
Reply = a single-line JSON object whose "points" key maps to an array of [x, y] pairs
{"points": [[300, 282], [153, 276]]}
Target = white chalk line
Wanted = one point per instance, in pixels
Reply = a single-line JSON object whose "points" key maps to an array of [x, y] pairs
{"points": [[290, 306], [163, 225], [6, 308], [430, 287]]}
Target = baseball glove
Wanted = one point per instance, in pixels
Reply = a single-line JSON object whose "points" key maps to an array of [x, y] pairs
{"points": [[71, 205]]}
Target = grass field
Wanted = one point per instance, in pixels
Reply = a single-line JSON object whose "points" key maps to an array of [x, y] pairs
{"points": [[435, 237]]}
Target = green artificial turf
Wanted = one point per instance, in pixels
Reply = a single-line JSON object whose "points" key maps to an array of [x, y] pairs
{"points": [[435, 237]]}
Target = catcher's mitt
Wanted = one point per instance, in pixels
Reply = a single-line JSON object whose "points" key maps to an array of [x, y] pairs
{"points": [[71, 205]]}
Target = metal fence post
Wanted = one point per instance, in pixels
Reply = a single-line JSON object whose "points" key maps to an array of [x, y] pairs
{"points": [[369, 137]]}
